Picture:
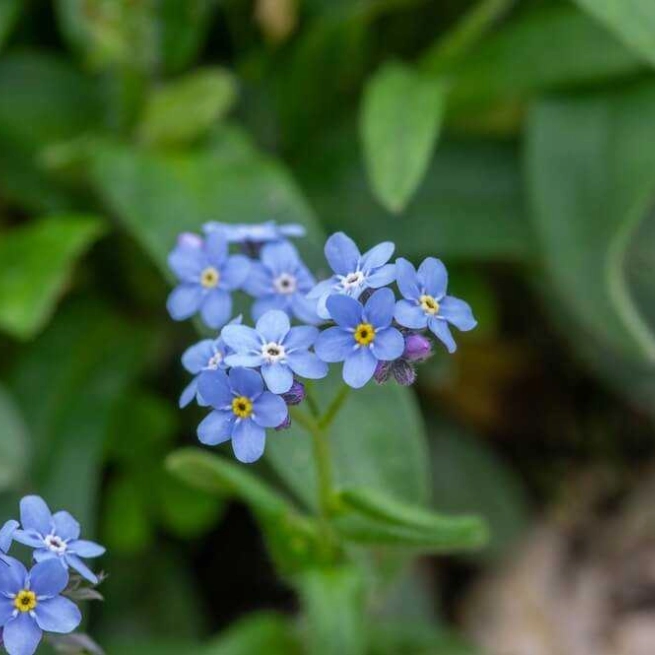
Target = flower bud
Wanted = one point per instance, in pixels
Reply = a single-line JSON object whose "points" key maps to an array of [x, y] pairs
{"points": [[295, 395], [382, 372], [404, 372], [285, 425], [417, 348]]}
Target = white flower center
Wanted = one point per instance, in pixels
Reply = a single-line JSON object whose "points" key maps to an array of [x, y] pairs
{"points": [[55, 544], [285, 284], [273, 352], [214, 361], [352, 280]]}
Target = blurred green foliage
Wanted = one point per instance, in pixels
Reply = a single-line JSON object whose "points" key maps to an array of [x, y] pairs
{"points": [[491, 134]]}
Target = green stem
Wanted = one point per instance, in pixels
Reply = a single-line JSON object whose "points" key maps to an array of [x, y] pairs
{"points": [[330, 413]]}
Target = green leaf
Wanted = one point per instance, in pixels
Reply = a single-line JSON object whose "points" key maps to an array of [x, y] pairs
{"points": [[633, 21], [14, 443], [333, 600], [396, 638], [182, 111], [591, 187], [400, 120], [9, 12], [36, 261]]}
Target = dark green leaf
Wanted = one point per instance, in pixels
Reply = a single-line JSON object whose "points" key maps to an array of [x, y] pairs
{"points": [[36, 261], [14, 443], [9, 12], [400, 122]]}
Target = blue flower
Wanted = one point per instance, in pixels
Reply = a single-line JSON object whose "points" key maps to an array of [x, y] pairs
{"points": [[207, 275], [362, 337], [206, 355], [30, 604], [242, 411], [280, 280], [426, 303], [354, 272], [258, 233], [55, 537], [277, 348]]}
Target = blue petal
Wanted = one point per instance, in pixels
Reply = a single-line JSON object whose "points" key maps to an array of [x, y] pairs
{"points": [[342, 254], [378, 256], [433, 277], [273, 326], [269, 410], [187, 262], [216, 428], [441, 330], [235, 272], [7, 534], [292, 230], [13, 576], [307, 365], [382, 277], [247, 361], [29, 538], [344, 310], [246, 382], [278, 377], [196, 357], [406, 279], [458, 313], [85, 548], [216, 308], [76, 563], [334, 344], [242, 339], [280, 257], [268, 303], [322, 288], [248, 441], [388, 344], [358, 369], [321, 307], [35, 515], [189, 393], [304, 309], [21, 636], [6, 610], [410, 315], [66, 526], [184, 301], [259, 281], [215, 389], [216, 248], [379, 308], [41, 555], [57, 615], [48, 578], [300, 337]]}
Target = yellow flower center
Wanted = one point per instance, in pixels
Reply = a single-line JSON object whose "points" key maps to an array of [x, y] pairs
{"points": [[429, 304], [25, 601], [364, 334], [242, 407], [210, 277]]}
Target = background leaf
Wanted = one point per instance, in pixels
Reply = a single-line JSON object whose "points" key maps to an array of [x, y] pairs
{"points": [[14, 443]]}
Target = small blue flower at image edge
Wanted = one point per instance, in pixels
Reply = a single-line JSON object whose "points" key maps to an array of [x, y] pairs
{"points": [[242, 411], [353, 272], [55, 537], [362, 337], [207, 274], [255, 233], [426, 304], [30, 604], [206, 355], [280, 280]]}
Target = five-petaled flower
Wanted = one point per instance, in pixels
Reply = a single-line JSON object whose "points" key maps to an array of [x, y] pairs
{"points": [[257, 233], [425, 301], [55, 537], [280, 280], [242, 411], [30, 604], [362, 337], [207, 275], [353, 272], [279, 349]]}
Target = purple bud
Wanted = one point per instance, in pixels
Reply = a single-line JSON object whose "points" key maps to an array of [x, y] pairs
{"points": [[382, 372], [417, 348], [285, 425], [190, 240], [404, 372], [295, 395]]}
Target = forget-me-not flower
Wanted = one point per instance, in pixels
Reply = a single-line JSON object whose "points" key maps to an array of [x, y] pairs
{"points": [[31, 604], [426, 304], [206, 355], [362, 337], [55, 537], [280, 280], [353, 272], [242, 411], [255, 233], [207, 275], [279, 349]]}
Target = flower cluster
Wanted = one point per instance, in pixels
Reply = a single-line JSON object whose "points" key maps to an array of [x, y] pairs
{"points": [[250, 376], [33, 602]]}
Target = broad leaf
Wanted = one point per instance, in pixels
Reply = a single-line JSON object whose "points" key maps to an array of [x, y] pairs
{"points": [[14, 443], [400, 121], [36, 261]]}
